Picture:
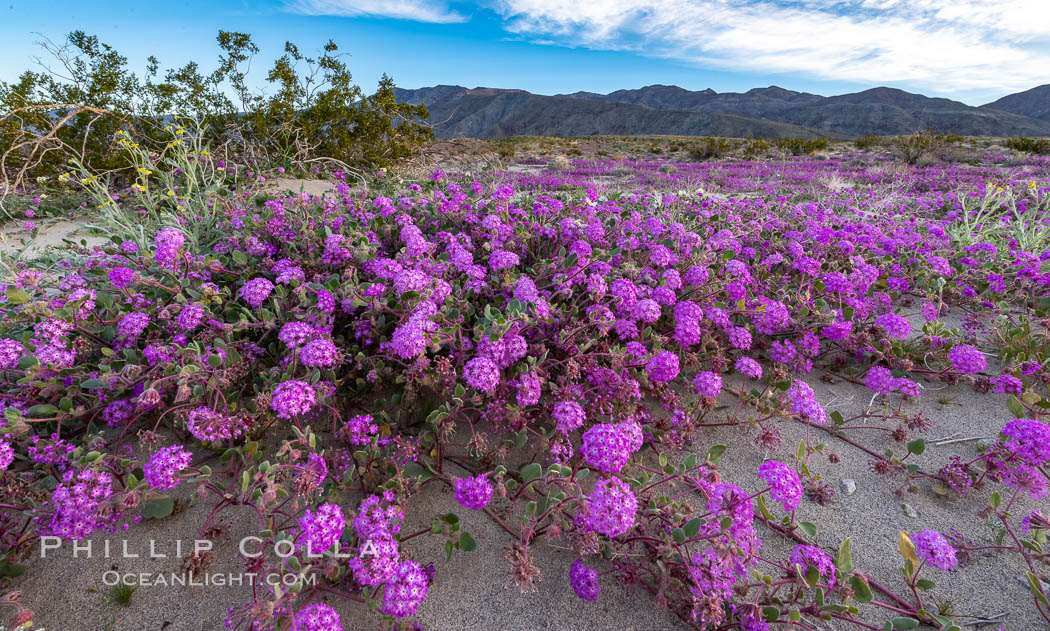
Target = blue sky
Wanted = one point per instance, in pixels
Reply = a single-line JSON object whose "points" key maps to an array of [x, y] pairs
{"points": [[970, 50]]}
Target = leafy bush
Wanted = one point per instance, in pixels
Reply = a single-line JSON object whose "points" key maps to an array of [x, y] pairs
{"points": [[868, 142], [801, 146], [709, 148], [1029, 145], [924, 146], [314, 111], [756, 148], [558, 163]]}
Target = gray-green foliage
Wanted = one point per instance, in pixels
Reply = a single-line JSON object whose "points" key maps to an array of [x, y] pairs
{"points": [[312, 108]]}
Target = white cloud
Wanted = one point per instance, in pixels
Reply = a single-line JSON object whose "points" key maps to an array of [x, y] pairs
{"points": [[943, 45], [416, 10]]}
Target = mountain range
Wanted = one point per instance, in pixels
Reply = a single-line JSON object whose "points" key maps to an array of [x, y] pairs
{"points": [[773, 112]]}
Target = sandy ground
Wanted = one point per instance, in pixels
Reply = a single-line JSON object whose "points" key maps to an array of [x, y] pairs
{"points": [[296, 185], [52, 234], [469, 591]]}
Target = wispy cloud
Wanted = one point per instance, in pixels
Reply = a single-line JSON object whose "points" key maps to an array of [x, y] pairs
{"points": [[945, 45], [415, 10]]}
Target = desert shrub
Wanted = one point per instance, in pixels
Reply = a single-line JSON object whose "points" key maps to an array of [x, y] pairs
{"points": [[868, 142], [184, 181], [668, 169], [558, 163], [314, 111], [709, 148], [1029, 145], [925, 145], [756, 148], [801, 146]]}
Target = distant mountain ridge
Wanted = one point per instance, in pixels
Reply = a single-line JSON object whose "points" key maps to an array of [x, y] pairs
{"points": [[1034, 103], [770, 112]]}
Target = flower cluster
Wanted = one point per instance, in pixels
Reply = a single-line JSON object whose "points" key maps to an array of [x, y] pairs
{"points": [[293, 398], [662, 367], [967, 359], [785, 486], [932, 548], [164, 466], [707, 384], [207, 425], [317, 617], [812, 556], [320, 530], [481, 373], [568, 415], [611, 507], [405, 591], [82, 504], [607, 447], [584, 580], [473, 493]]}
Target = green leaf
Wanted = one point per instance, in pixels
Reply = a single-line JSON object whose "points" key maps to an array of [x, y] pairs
{"points": [[800, 453], [92, 384], [1033, 583], [995, 499], [679, 535], [690, 461], [861, 589], [714, 454], [925, 584], [1015, 406], [663, 460], [451, 518], [771, 614], [809, 528], [17, 296], [158, 508], [692, 527], [11, 570], [467, 543], [904, 623], [844, 559], [760, 502], [531, 471], [917, 446], [42, 410]]}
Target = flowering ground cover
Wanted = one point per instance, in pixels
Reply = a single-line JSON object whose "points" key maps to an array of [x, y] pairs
{"points": [[557, 352]]}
